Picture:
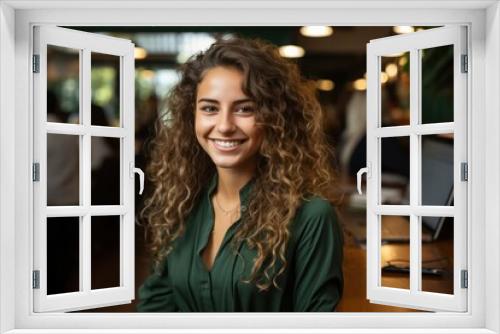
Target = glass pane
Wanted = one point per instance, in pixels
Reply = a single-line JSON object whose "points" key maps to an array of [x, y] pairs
{"points": [[437, 256], [63, 255], [105, 153], [63, 84], [395, 251], [395, 89], [105, 261], [437, 84], [395, 170], [437, 169], [63, 169], [105, 85]]}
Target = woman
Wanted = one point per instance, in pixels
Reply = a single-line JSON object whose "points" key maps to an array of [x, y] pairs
{"points": [[240, 215]]}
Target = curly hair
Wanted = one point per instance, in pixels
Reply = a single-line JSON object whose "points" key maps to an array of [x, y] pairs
{"points": [[294, 162]]}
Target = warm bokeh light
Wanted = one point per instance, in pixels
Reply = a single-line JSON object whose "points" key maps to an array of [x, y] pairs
{"points": [[316, 31], [392, 70], [325, 85], [359, 84], [403, 61], [403, 29], [383, 77], [291, 51], [140, 53], [148, 74]]}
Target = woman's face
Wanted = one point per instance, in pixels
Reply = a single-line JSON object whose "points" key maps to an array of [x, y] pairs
{"points": [[225, 120]]}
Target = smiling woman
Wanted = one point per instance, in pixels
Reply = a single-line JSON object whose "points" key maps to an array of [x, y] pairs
{"points": [[242, 215]]}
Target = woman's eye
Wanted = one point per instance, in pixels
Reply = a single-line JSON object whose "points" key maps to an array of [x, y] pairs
{"points": [[245, 109], [209, 109]]}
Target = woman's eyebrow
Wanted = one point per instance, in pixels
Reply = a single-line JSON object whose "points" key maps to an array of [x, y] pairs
{"points": [[216, 101], [242, 101], [207, 100]]}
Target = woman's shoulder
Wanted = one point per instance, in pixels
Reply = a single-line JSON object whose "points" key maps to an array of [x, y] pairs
{"points": [[315, 207], [313, 212], [315, 219]]}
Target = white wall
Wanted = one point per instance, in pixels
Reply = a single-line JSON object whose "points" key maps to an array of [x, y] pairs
{"points": [[6, 165]]}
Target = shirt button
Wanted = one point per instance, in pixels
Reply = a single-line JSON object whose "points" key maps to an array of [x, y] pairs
{"points": [[243, 208]]}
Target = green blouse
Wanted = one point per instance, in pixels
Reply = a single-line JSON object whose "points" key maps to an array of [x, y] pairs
{"points": [[312, 280]]}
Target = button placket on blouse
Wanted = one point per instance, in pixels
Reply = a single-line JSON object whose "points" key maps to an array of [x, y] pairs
{"points": [[207, 277]]}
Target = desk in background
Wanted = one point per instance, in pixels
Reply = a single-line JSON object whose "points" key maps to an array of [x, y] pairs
{"points": [[354, 297]]}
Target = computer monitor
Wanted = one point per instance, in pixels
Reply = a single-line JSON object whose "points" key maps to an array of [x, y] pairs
{"points": [[437, 178]]}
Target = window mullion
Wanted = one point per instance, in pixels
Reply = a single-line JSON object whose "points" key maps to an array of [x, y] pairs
{"points": [[85, 246], [415, 235]]}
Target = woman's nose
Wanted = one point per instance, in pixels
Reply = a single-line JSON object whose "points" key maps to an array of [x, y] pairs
{"points": [[225, 122]]}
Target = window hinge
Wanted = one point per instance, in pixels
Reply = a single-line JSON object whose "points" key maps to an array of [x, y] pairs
{"points": [[464, 175], [36, 172], [36, 63], [465, 66], [465, 279], [36, 279]]}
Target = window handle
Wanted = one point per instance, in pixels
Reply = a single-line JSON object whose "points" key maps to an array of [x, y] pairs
{"points": [[141, 179], [134, 170], [360, 174]]}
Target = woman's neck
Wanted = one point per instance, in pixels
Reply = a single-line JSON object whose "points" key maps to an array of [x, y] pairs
{"points": [[230, 181]]}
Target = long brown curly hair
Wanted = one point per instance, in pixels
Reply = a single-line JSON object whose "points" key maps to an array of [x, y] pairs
{"points": [[295, 161]]}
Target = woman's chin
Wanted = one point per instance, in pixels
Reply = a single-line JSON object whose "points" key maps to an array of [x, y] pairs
{"points": [[226, 164]]}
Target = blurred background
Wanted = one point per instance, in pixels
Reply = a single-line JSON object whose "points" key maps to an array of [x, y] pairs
{"points": [[335, 58]]}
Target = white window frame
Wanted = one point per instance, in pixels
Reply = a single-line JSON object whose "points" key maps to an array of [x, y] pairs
{"points": [[16, 21], [86, 44], [414, 43]]}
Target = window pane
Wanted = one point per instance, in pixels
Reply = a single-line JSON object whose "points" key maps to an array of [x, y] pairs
{"points": [[105, 153], [437, 84], [437, 169], [395, 251], [437, 256], [105, 252], [395, 170], [63, 85], [395, 89], [105, 85], [63, 254], [63, 170]]}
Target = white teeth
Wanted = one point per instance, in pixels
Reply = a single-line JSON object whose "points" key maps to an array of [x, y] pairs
{"points": [[226, 143]]}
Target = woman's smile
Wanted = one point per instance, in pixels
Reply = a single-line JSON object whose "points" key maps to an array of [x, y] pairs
{"points": [[227, 145]]}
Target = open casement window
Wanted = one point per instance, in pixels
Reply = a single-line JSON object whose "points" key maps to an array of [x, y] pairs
{"points": [[71, 136], [426, 122]]}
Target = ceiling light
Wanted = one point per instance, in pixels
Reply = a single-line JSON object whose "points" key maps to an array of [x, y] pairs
{"points": [[291, 51], [140, 53], [359, 84], [316, 31], [325, 85], [403, 29]]}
